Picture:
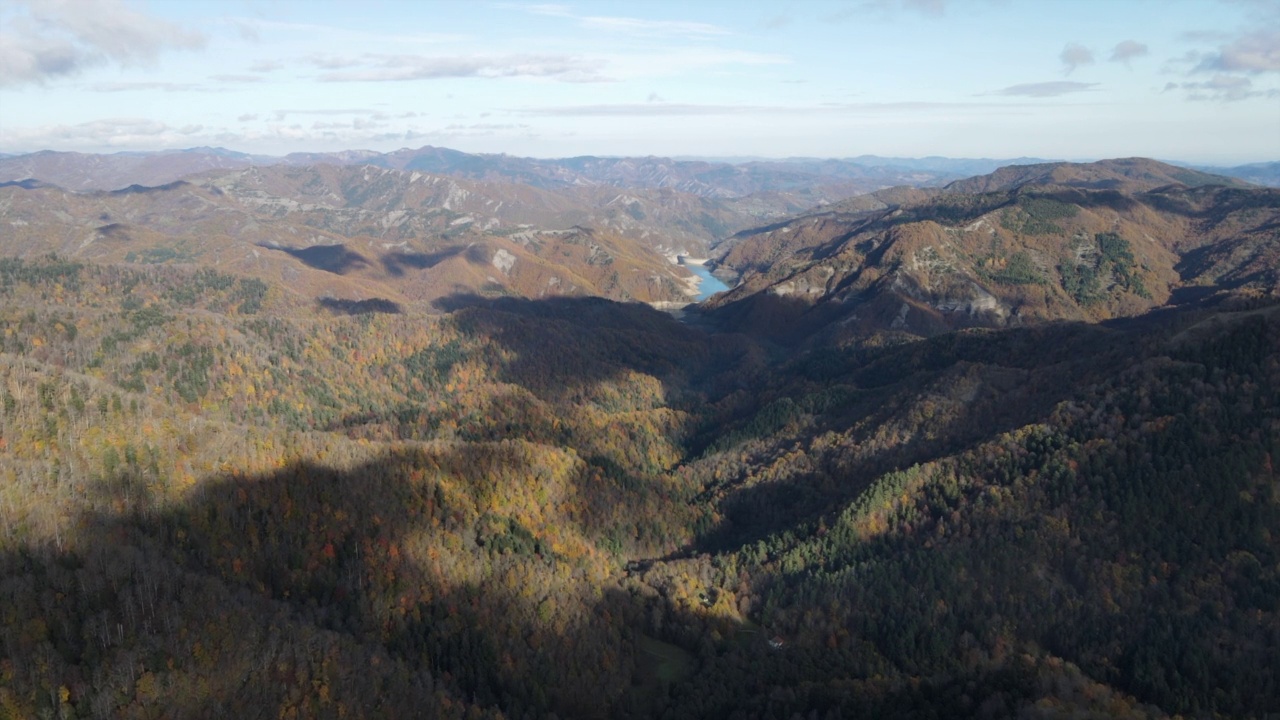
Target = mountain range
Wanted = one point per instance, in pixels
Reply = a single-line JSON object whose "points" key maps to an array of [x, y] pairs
{"points": [[812, 179], [365, 435], [821, 180], [1024, 245]]}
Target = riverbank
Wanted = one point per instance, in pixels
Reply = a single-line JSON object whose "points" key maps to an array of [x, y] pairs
{"points": [[706, 284]]}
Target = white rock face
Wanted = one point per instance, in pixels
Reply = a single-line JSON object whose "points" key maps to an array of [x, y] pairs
{"points": [[455, 197], [504, 261], [978, 302]]}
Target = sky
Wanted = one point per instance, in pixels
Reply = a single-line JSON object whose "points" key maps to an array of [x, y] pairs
{"points": [[1185, 80]]}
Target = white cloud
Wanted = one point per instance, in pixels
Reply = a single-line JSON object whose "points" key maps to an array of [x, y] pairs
{"points": [[1127, 50], [1254, 52], [684, 61], [355, 124], [885, 9], [105, 134], [333, 62], [688, 109], [57, 38], [1046, 89], [628, 25], [391, 68], [928, 7], [1074, 55], [337, 35], [113, 87], [1223, 88], [281, 115], [1234, 65], [236, 78]]}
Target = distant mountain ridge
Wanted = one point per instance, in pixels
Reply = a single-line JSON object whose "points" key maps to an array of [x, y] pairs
{"points": [[808, 181], [1263, 173], [1133, 174], [358, 232], [825, 180]]}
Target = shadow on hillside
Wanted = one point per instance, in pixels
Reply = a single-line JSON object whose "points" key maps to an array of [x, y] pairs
{"points": [[114, 231], [359, 307], [1212, 204], [398, 263], [903, 406], [336, 259], [779, 319], [561, 348], [1218, 262], [393, 588], [136, 189], [1093, 196]]}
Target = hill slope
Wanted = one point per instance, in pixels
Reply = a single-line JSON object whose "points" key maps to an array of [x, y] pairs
{"points": [[1020, 246], [223, 495], [341, 232]]}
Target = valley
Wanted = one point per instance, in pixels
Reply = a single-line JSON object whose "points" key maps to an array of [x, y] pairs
{"points": [[708, 284], [409, 434]]}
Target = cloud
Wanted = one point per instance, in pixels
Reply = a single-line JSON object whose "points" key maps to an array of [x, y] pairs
{"points": [[283, 114], [333, 62], [1127, 50], [686, 109], [113, 87], [928, 7], [355, 124], [397, 68], [236, 78], [483, 128], [109, 133], [777, 22], [883, 9], [1204, 36], [1237, 59], [247, 32], [654, 108], [655, 97], [337, 36], [1074, 55], [247, 117], [1046, 89], [265, 66], [58, 38], [628, 25], [1223, 88], [1254, 52]]}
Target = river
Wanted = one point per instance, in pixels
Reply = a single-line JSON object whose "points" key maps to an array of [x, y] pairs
{"points": [[708, 284]]}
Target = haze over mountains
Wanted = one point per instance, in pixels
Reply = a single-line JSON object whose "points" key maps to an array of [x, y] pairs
{"points": [[77, 171], [409, 226], [403, 434]]}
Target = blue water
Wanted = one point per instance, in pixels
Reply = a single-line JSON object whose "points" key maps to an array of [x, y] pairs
{"points": [[708, 284]]}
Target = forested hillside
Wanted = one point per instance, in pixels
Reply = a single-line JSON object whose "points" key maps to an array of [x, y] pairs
{"points": [[1022, 246], [224, 496]]}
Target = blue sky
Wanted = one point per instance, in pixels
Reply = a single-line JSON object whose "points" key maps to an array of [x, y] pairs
{"points": [[1189, 80]]}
